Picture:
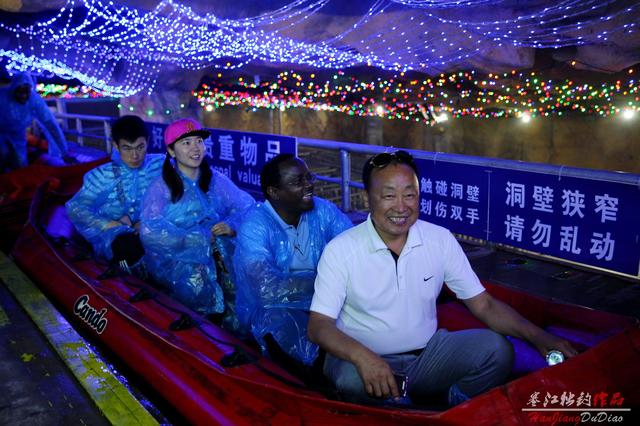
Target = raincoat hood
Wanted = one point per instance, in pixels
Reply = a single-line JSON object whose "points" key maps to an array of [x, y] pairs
{"points": [[21, 79]]}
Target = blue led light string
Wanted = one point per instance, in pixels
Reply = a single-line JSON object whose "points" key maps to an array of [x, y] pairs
{"points": [[277, 16], [543, 24], [173, 34], [446, 3]]}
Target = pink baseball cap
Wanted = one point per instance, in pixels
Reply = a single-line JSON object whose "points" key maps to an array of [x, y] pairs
{"points": [[184, 128]]}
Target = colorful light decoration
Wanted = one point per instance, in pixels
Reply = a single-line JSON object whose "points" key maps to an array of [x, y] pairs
{"points": [[65, 91], [434, 100], [121, 51]]}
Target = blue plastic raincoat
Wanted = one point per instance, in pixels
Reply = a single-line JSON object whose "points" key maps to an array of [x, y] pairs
{"points": [[270, 298], [108, 193], [178, 242], [16, 117]]}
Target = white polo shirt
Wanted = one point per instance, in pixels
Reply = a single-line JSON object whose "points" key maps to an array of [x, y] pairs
{"points": [[387, 307]]}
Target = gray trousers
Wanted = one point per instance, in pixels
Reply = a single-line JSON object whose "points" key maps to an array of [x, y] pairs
{"points": [[472, 360]]}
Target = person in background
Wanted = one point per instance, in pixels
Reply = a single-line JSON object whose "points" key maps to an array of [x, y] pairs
{"points": [[189, 218], [19, 106], [278, 248], [106, 210], [374, 306]]}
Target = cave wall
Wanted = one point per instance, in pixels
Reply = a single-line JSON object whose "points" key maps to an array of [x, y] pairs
{"points": [[608, 143]]}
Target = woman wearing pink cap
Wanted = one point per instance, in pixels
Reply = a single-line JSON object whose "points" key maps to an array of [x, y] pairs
{"points": [[186, 215]]}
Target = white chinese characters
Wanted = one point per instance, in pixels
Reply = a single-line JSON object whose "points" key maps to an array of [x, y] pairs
{"points": [[453, 191], [565, 236], [226, 148]]}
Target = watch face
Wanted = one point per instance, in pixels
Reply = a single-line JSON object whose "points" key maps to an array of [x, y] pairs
{"points": [[554, 357], [402, 383]]}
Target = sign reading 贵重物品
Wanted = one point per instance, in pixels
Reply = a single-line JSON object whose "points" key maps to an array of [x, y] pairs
{"points": [[238, 155]]}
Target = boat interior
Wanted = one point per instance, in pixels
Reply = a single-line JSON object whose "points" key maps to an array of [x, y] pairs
{"points": [[582, 307]]}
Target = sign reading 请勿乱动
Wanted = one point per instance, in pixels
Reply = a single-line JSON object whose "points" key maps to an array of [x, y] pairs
{"points": [[584, 220]]}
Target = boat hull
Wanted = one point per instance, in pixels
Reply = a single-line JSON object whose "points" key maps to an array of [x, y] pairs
{"points": [[187, 367], [17, 189]]}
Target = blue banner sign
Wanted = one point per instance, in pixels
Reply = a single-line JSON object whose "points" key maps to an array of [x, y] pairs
{"points": [[583, 220], [238, 155]]}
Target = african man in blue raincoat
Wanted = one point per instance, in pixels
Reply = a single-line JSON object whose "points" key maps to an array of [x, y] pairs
{"points": [[278, 248], [106, 210], [19, 106], [189, 218]]}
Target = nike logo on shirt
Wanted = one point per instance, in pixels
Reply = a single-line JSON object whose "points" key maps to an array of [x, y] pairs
{"points": [[427, 279]]}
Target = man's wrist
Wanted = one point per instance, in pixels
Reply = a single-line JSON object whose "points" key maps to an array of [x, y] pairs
{"points": [[360, 354], [534, 334]]}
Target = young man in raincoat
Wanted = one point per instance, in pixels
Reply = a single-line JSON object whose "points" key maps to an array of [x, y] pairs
{"points": [[106, 210]]}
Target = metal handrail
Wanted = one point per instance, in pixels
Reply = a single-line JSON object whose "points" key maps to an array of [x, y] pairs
{"points": [[84, 117], [81, 134], [346, 149], [560, 171]]}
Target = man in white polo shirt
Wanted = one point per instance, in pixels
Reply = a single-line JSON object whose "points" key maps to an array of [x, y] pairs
{"points": [[374, 306]]}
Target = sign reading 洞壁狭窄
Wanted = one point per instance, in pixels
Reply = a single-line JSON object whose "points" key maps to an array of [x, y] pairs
{"points": [[583, 220]]}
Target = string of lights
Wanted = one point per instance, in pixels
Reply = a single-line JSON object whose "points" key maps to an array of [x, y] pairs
{"points": [[444, 3], [65, 91], [555, 27], [121, 51], [462, 94]]}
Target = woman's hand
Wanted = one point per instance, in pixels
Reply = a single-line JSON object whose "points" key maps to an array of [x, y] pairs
{"points": [[124, 220], [222, 228]]}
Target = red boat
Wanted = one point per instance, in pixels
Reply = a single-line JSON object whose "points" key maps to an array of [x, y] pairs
{"points": [[211, 377], [17, 189]]}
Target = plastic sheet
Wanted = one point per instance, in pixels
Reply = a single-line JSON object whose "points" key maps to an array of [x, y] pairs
{"points": [[16, 117], [177, 239], [108, 193], [270, 298]]}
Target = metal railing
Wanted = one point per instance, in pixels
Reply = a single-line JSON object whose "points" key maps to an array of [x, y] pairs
{"points": [[346, 150], [339, 168], [81, 131]]}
